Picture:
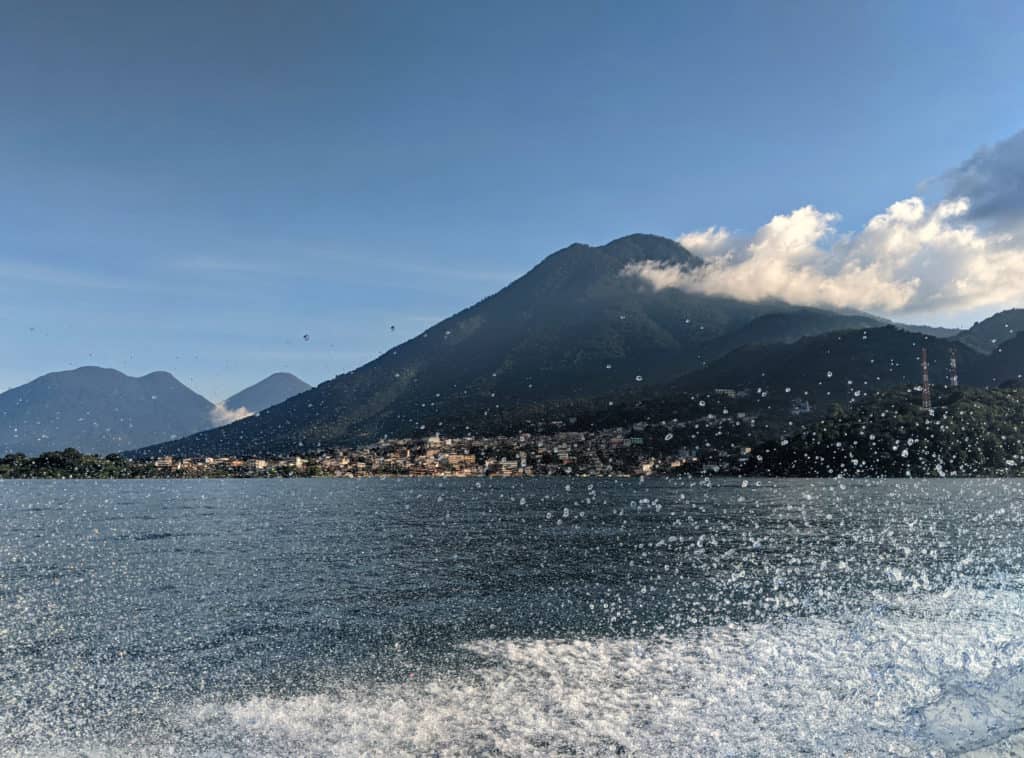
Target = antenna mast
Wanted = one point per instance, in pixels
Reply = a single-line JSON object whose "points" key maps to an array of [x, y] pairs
{"points": [[926, 388]]}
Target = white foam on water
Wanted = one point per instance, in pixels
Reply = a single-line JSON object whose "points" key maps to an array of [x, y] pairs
{"points": [[983, 715], [925, 674], [919, 674]]}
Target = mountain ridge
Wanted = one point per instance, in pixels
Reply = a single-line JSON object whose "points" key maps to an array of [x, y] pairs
{"points": [[271, 390], [101, 410], [98, 410], [988, 334], [573, 326]]}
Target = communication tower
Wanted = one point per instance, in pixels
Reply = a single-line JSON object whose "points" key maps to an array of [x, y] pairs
{"points": [[926, 387]]}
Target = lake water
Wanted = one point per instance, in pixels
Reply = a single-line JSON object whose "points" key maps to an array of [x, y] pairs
{"points": [[529, 617]]}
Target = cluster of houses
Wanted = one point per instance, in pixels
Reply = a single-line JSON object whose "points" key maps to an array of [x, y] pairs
{"points": [[642, 449], [228, 465]]}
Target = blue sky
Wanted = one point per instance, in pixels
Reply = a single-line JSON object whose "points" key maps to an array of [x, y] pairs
{"points": [[195, 186]]}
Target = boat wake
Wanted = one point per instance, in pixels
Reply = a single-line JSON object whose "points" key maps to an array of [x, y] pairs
{"points": [[939, 673]]}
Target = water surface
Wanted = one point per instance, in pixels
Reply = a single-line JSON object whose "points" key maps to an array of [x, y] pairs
{"points": [[529, 617]]}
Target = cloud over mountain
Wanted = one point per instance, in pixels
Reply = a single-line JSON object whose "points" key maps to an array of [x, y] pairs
{"points": [[964, 252], [221, 414]]}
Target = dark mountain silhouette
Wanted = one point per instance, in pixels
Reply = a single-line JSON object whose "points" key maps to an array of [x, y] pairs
{"points": [[573, 327], [98, 410], [792, 326], [987, 335], [871, 359], [932, 331], [275, 389], [768, 380], [1005, 365], [835, 366], [967, 432]]}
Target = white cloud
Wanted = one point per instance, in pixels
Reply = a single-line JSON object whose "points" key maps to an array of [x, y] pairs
{"points": [[909, 258], [221, 415], [710, 243]]}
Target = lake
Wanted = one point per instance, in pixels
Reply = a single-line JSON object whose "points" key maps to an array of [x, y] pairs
{"points": [[512, 617]]}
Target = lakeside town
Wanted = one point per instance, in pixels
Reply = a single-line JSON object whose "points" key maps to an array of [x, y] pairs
{"points": [[715, 443], [642, 449]]}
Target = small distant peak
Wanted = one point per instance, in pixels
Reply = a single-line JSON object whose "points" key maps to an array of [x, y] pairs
{"points": [[280, 379], [93, 370], [641, 238], [634, 247], [83, 372], [638, 239], [269, 391], [645, 241], [285, 375]]}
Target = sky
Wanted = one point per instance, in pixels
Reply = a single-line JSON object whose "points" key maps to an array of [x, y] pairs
{"points": [[198, 186]]}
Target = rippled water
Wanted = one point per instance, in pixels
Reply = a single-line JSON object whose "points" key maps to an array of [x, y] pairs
{"points": [[535, 617]]}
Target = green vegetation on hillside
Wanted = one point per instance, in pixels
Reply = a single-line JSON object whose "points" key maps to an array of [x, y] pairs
{"points": [[968, 432], [71, 464]]}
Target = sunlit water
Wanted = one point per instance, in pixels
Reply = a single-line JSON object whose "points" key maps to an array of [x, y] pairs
{"points": [[537, 617]]}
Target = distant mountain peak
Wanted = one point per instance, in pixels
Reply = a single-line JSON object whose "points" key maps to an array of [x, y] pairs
{"points": [[639, 246], [86, 371], [98, 410], [634, 247], [576, 268], [267, 392], [285, 375], [162, 376], [642, 238]]}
